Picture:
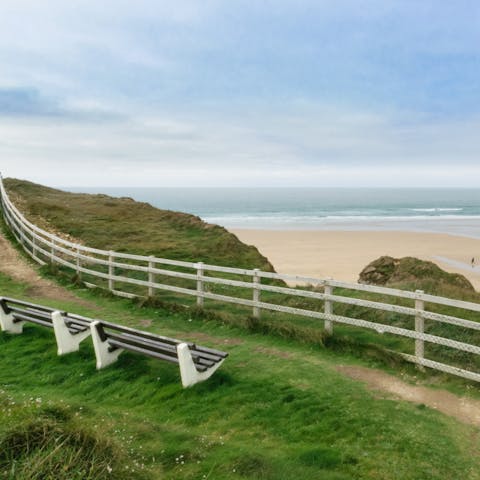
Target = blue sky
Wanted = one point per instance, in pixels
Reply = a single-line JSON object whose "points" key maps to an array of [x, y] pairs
{"points": [[241, 93]]}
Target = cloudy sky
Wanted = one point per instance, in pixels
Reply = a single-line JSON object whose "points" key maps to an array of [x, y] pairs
{"points": [[240, 93]]}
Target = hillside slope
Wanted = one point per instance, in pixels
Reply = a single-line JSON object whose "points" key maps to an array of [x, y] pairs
{"points": [[276, 410], [122, 224]]}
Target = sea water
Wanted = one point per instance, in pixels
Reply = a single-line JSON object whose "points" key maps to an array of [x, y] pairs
{"points": [[455, 211]]}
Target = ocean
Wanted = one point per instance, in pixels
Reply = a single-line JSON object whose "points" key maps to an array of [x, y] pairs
{"points": [[455, 211]]}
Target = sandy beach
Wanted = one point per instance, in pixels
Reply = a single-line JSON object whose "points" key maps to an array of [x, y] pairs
{"points": [[343, 254]]}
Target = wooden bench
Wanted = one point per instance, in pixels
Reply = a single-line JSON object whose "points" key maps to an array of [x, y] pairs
{"points": [[109, 339], [196, 363]]}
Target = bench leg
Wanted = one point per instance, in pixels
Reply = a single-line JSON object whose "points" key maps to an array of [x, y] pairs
{"points": [[188, 372], [102, 353], [66, 342], [8, 324]]}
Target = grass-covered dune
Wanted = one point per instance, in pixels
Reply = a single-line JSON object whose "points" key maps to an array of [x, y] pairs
{"points": [[124, 225], [275, 410]]}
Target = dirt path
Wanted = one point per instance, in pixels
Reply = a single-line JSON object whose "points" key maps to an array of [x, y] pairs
{"points": [[16, 267], [466, 410]]}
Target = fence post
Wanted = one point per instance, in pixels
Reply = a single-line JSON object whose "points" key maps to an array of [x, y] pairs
{"points": [[21, 235], [34, 248], [256, 292], [52, 252], [151, 275], [111, 270], [419, 328], [328, 290], [77, 261], [200, 290]]}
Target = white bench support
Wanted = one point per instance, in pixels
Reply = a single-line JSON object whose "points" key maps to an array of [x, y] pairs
{"points": [[8, 325], [189, 374], [102, 350], [66, 341]]}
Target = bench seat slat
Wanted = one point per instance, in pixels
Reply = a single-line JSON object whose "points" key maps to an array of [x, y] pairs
{"points": [[32, 311], [159, 347], [140, 333], [19, 317], [196, 353], [153, 337], [72, 321], [75, 329], [78, 320], [75, 326], [211, 351], [42, 319], [150, 353]]}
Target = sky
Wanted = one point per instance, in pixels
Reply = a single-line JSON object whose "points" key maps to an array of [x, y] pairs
{"points": [[241, 93]]}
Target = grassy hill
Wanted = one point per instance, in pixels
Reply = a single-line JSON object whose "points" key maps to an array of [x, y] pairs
{"points": [[275, 410], [124, 225]]}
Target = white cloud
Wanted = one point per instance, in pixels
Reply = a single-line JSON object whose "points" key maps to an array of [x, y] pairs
{"points": [[318, 146]]}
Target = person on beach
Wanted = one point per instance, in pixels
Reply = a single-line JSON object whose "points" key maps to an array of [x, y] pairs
{"points": [[473, 262]]}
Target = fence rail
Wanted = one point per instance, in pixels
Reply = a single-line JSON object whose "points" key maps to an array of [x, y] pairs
{"points": [[44, 247]]}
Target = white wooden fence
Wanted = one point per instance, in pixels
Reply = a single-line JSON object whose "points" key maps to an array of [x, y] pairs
{"points": [[45, 247]]}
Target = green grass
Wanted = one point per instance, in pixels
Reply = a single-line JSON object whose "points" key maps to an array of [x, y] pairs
{"points": [[276, 409], [55, 441]]}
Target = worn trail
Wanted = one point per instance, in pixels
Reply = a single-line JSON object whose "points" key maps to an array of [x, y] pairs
{"points": [[466, 410], [16, 267]]}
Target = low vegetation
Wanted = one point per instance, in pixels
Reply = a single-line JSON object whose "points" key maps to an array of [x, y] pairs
{"points": [[275, 410], [42, 441]]}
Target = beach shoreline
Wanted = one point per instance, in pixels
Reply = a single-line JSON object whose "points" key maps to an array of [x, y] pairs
{"points": [[342, 254]]}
